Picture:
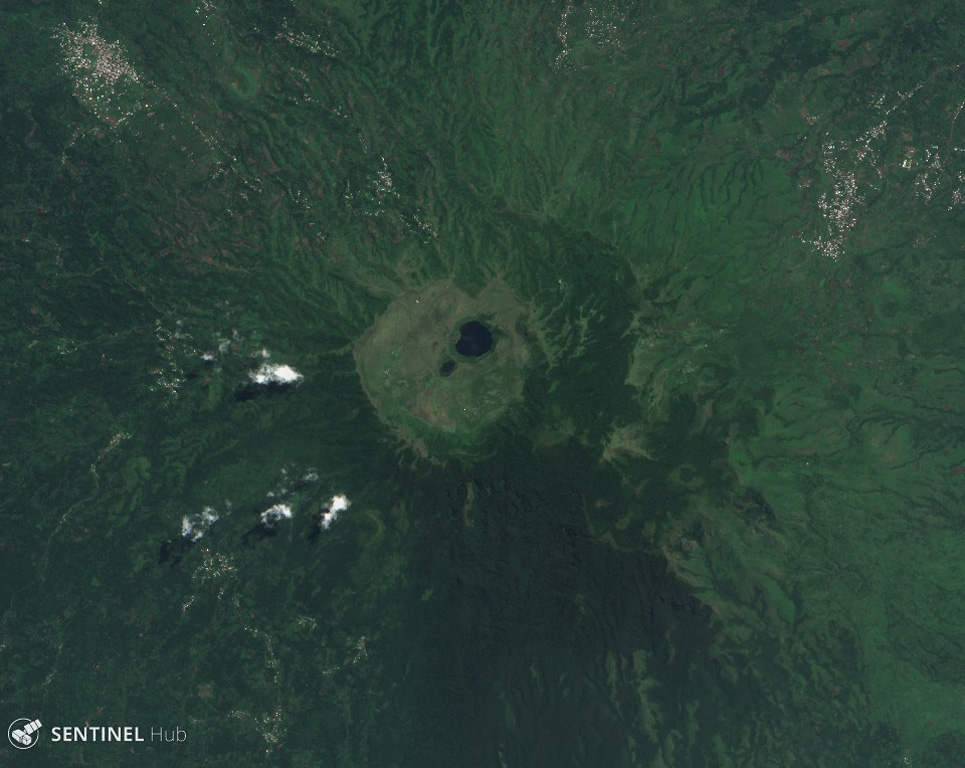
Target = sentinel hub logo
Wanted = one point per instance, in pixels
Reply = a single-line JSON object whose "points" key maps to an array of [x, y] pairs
{"points": [[23, 733]]}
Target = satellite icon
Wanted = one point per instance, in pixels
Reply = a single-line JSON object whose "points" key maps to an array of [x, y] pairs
{"points": [[22, 732]]}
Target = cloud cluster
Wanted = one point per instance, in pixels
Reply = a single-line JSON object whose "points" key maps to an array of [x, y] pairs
{"points": [[330, 513], [193, 527]]}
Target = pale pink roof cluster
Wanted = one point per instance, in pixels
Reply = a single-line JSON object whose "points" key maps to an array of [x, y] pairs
{"points": [[99, 71]]}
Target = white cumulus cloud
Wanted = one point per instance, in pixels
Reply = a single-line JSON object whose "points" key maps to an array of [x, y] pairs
{"points": [[268, 373], [275, 513], [335, 507], [193, 527]]}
